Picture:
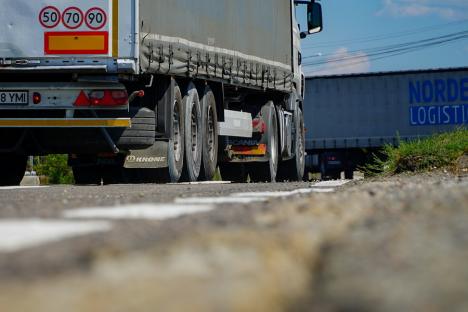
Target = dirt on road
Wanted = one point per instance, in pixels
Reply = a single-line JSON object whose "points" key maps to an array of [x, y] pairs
{"points": [[388, 244]]}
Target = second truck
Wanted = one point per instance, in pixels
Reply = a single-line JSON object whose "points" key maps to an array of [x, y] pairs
{"points": [[166, 89]]}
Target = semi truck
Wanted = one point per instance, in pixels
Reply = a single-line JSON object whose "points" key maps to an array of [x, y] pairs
{"points": [[350, 117], [166, 88]]}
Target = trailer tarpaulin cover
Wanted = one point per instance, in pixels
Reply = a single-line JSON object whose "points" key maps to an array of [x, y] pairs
{"points": [[246, 42]]}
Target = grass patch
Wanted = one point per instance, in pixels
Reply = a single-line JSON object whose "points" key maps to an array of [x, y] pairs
{"points": [[55, 169], [435, 152]]}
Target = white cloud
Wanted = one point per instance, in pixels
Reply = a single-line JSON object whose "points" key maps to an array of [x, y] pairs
{"points": [[343, 62], [449, 9]]}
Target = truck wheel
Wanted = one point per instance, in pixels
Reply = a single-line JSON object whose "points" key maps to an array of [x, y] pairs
{"points": [[12, 168], [349, 174], [87, 175], [294, 169], [266, 172], [143, 131], [233, 172], [193, 134], [175, 154], [210, 136]]}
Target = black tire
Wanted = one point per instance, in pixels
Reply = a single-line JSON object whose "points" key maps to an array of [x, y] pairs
{"points": [[209, 136], [349, 174], [12, 168], [87, 175], [294, 169], [266, 172], [142, 133], [233, 172], [193, 134], [176, 150]]}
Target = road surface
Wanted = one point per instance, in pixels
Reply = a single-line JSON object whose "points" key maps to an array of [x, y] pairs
{"points": [[385, 244]]}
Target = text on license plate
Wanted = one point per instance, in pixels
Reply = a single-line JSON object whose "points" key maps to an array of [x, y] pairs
{"points": [[14, 97]]}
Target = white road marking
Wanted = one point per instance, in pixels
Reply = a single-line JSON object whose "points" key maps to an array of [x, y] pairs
{"points": [[21, 187], [279, 194], [336, 183], [142, 211], [16, 234], [323, 190], [219, 200], [202, 183]]}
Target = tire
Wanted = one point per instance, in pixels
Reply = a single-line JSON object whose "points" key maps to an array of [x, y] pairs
{"points": [[143, 131], [349, 174], [87, 175], [294, 169], [176, 149], [233, 172], [266, 172], [12, 168], [193, 134], [209, 136]]}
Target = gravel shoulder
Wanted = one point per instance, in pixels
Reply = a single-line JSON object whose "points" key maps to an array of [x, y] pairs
{"points": [[387, 244]]}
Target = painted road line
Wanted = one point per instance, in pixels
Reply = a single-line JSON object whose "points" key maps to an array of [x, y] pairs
{"points": [[8, 188], [16, 235], [323, 190], [141, 211], [279, 194], [336, 183], [219, 200], [202, 183]]}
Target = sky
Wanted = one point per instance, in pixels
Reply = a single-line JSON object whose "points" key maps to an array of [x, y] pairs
{"points": [[360, 36]]}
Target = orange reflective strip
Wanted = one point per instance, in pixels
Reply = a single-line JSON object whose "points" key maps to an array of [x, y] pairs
{"points": [[76, 42]]}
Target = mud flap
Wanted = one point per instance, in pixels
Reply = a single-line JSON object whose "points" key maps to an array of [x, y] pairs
{"points": [[154, 157]]}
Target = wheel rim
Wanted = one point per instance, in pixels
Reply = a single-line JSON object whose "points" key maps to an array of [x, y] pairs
{"points": [[176, 140], [274, 147], [194, 127], [211, 133], [301, 145]]}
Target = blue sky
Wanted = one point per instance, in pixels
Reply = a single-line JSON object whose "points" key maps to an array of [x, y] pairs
{"points": [[356, 32]]}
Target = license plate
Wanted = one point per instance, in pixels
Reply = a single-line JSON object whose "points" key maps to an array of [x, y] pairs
{"points": [[14, 97]]}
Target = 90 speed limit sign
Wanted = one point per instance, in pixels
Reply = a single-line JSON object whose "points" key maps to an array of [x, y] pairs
{"points": [[96, 18]]}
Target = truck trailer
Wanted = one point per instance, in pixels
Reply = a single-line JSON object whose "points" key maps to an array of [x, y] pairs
{"points": [[166, 88], [349, 117]]}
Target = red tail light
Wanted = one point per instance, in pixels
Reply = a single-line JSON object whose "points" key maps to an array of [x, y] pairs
{"points": [[103, 98], [37, 98]]}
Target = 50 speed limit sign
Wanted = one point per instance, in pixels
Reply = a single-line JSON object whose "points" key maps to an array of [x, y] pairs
{"points": [[50, 17]]}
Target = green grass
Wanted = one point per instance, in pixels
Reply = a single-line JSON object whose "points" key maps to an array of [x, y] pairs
{"points": [[436, 152], [55, 169]]}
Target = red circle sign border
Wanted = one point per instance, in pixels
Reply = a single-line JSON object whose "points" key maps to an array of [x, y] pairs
{"points": [[104, 14], [82, 17], [59, 19]]}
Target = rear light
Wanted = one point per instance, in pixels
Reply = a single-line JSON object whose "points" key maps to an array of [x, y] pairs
{"points": [[103, 98], [37, 98]]}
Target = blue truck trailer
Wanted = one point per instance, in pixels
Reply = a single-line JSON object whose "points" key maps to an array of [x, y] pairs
{"points": [[348, 117]]}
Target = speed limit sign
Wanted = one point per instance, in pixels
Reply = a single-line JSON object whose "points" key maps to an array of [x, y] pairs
{"points": [[49, 17], [72, 18], [95, 18]]}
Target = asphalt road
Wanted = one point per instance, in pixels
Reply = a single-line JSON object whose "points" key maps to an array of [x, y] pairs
{"points": [[389, 244], [52, 229]]}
